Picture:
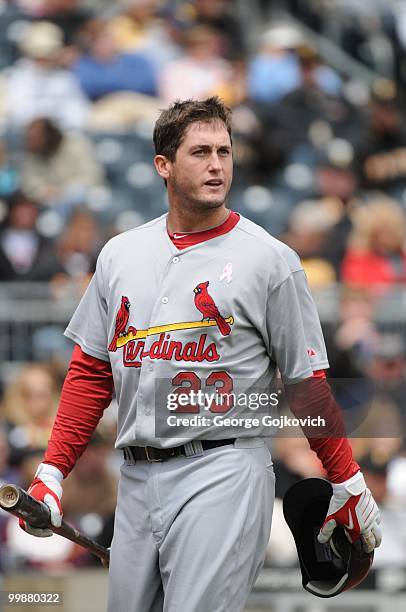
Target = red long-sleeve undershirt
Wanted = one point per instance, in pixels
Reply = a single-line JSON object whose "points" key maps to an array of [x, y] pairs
{"points": [[313, 397], [88, 389], [86, 392]]}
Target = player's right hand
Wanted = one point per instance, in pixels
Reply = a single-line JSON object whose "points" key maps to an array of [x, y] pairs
{"points": [[46, 487]]}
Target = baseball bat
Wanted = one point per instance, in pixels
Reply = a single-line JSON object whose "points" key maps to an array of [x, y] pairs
{"points": [[16, 501]]}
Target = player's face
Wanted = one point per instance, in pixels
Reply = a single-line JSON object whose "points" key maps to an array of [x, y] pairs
{"points": [[201, 175]]}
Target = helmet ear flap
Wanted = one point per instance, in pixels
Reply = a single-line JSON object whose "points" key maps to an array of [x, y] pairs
{"points": [[327, 569]]}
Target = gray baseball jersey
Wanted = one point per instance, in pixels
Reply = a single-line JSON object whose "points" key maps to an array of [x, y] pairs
{"points": [[220, 315]]}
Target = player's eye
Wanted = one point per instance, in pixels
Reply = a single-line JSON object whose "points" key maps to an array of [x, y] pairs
{"points": [[224, 152]]}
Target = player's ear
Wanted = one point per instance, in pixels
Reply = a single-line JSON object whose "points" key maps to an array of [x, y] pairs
{"points": [[162, 165]]}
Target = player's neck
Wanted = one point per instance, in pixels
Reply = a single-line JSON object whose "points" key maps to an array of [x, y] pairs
{"points": [[181, 221]]}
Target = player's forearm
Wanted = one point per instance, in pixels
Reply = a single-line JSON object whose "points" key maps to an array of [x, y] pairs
{"points": [[313, 397], [87, 391]]}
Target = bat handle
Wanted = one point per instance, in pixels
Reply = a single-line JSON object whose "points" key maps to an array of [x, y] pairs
{"points": [[35, 512]]}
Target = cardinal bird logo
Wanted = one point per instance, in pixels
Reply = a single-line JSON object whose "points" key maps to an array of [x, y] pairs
{"points": [[121, 322], [205, 303]]}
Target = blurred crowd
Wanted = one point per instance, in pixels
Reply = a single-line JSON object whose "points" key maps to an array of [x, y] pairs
{"points": [[320, 162]]}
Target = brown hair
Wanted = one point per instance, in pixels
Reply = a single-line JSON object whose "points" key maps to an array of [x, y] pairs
{"points": [[172, 123]]}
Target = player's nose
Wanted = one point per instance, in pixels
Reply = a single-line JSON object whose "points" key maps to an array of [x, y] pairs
{"points": [[214, 163]]}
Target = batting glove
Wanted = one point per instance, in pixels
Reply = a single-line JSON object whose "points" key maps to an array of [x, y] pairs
{"points": [[46, 487], [353, 507]]}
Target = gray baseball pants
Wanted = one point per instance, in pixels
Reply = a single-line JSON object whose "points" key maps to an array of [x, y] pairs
{"points": [[190, 533]]}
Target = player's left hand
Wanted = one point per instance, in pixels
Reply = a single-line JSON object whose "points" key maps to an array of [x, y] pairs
{"points": [[353, 507]]}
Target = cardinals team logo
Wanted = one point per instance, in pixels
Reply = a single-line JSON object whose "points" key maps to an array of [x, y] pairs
{"points": [[121, 322], [205, 303], [132, 340]]}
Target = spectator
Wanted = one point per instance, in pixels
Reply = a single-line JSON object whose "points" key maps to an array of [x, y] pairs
{"points": [[334, 192], [70, 264], [104, 69], [68, 15], [375, 257], [247, 134], [315, 73], [275, 70], [387, 366], [39, 87], [337, 187], [139, 28], [286, 63], [29, 406], [387, 371], [200, 73], [219, 15], [24, 253], [352, 340], [382, 157], [309, 225], [134, 22], [58, 168], [77, 250], [289, 124]]}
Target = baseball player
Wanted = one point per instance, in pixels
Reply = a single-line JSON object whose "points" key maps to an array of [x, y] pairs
{"points": [[198, 300]]}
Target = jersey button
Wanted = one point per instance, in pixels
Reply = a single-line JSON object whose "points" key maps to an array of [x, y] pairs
{"points": [[175, 260], [165, 300]]}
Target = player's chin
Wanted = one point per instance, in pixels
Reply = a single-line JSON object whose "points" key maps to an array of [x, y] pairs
{"points": [[214, 199], [211, 203]]}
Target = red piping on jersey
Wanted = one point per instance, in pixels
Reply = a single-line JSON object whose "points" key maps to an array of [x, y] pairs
{"points": [[193, 238]]}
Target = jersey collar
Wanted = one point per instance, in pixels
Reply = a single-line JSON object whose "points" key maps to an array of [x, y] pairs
{"points": [[184, 240]]}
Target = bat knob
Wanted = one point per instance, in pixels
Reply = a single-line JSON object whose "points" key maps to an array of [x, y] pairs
{"points": [[8, 496]]}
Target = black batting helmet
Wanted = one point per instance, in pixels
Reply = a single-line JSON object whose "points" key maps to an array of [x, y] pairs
{"points": [[327, 569]]}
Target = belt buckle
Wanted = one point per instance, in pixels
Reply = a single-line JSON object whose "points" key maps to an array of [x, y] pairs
{"points": [[150, 459]]}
